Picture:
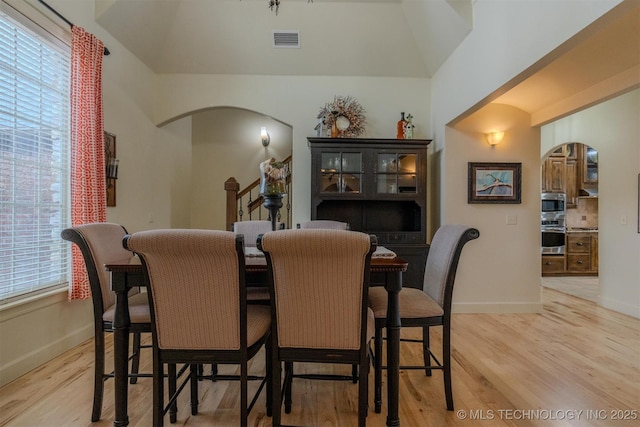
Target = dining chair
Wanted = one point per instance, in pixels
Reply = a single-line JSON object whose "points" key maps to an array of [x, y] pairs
{"points": [[426, 307], [100, 244], [324, 224], [199, 310], [318, 281]]}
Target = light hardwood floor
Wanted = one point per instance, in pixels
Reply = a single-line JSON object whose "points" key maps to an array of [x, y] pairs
{"points": [[587, 287], [509, 370]]}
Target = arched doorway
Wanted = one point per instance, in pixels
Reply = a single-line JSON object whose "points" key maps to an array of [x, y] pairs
{"points": [[570, 172]]}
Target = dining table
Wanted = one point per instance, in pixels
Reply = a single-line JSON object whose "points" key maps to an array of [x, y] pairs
{"points": [[126, 276]]}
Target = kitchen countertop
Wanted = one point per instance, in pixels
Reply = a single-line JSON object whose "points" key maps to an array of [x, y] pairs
{"points": [[581, 230]]}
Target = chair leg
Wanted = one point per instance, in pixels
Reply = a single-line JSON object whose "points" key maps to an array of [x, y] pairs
{"points": [[377, 360], [214, 372], [354, 373], [158, 393], [193, 380], [269, 377], [244, 399], [363, 393], [288, 383], [426, 355], [446, 361], [98, 376], [173, 386], [276, 373], [135, 361]]}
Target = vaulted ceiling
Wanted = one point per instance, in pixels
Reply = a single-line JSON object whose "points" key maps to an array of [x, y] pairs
{"points": [[391, 38]]}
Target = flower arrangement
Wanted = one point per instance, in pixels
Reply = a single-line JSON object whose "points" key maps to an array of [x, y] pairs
{"points": [[344, 116], [273, 177]]}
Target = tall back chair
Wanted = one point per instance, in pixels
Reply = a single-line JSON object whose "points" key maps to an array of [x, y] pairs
{"points": [[326, 224], [319, 281], [100, 244], [426, 307], [199, 307], [252, 229]]}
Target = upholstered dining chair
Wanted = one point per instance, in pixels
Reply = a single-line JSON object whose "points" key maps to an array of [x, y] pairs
{"points": [[426, 307], [100, 244], [206, 319], [326, 224], [319, 281]]}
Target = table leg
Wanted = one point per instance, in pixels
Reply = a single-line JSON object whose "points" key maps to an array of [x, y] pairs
{"points": [[121, 322], [393, 286]]}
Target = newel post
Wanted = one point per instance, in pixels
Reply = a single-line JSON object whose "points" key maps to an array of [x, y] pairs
{"points": [[231, 186]]}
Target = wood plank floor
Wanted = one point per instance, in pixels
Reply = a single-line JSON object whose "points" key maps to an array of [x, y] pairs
{"points": [[509, 370]]}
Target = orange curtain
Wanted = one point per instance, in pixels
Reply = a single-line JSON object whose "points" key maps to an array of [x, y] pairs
{"points": [[88, 187]]}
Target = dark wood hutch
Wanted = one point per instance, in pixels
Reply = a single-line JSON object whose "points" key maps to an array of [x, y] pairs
{"points": [[378, 186]]}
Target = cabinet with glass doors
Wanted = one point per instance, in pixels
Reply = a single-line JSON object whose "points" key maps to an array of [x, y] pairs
{"points": [[378, 186]]}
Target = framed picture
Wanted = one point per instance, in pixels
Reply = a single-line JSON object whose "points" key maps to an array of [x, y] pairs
{"points": [[494, 182], [111, 167]]}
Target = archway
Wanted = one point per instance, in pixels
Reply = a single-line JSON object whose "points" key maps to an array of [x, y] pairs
{"points": [[570, 170]]}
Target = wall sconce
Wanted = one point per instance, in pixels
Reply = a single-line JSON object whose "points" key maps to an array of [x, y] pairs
{"points": [[264, 136], [494, 138]]}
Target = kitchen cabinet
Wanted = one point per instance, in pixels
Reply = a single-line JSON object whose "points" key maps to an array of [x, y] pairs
{"points": [[589, 167], [554, 175], [580, 257], [582, 253], [552, 265], [378, 186]]}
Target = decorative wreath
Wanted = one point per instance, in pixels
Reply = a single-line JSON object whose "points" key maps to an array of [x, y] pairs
{"points": [[346, 114]]}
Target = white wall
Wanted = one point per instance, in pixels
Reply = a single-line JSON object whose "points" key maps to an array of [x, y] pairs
{"points": [[613, 129], [501, 271], [226, 143], [297, 101]]}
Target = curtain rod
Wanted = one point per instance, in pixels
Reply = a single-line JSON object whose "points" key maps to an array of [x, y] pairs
{"points": [[55, 12]]}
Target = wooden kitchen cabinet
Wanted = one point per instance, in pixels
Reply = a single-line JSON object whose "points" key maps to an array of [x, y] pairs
{"points": [[554, 175], [377, 186], [582, 253], [552, 265]]}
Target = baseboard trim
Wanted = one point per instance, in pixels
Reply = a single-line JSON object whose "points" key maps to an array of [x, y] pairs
{"points": [[497, 307], [18, 367], [620, 307]]}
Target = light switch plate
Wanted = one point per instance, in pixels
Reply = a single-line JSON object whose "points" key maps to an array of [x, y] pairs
{"points": [[512, 219]]}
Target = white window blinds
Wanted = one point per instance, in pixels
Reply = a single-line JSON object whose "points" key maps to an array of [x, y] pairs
{"points": [[34, 160]]}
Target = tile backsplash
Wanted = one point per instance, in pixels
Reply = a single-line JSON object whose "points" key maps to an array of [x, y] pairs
{"points": [[585, 215]]}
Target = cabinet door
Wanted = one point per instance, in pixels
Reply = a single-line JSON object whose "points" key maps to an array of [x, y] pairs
{"points": [[554, 175], [341, 172], [395, 173], [571, 172], [590, 168]]}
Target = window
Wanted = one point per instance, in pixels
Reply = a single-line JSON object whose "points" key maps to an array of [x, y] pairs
{"points": [[34, 159]]}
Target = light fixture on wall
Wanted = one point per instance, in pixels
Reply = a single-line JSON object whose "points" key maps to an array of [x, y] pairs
{"points": [[494, 138], [264, 136]]}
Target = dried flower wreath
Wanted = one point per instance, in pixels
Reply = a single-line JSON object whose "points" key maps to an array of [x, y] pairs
{"points": [[346, 107]]}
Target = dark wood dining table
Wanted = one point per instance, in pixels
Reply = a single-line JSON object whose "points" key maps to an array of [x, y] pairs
{"points": [[126, 276]]}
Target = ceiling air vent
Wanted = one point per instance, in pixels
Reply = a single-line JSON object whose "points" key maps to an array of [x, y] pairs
{"points": [[286, 39]]}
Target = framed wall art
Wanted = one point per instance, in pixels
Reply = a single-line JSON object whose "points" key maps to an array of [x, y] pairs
{"points": [[494, 183], [111, 165]]}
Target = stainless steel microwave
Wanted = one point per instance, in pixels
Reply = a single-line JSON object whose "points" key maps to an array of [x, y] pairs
{"points": [[553, 203]]}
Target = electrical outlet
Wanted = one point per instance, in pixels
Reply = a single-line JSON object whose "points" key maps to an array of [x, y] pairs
{"points": [[584, 217]]}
